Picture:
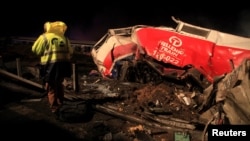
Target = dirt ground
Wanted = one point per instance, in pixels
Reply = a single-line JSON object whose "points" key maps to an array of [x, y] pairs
{"points": [[33, 121], [111, 111], [27, 116]]}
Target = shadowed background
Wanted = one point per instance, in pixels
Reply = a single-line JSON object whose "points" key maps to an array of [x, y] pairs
{"points": [[88, 21]]}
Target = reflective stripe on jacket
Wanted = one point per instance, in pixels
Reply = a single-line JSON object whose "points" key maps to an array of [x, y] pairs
{"points": [[52, 48]]}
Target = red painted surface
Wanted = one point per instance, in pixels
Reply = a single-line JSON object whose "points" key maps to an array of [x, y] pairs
{"points": [[181, 50]]}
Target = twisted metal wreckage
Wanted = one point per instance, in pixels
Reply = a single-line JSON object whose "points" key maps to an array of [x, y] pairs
{"points": [[208, 61], [212, 65]]}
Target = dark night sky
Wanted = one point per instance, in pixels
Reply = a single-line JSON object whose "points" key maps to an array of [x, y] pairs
{"points": [[90, 22]]}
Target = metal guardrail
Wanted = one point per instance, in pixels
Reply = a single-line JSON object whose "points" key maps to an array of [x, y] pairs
{"points": [[79, 46]]}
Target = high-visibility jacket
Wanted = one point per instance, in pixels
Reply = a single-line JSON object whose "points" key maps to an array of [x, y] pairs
{"points": [[52, 48]]}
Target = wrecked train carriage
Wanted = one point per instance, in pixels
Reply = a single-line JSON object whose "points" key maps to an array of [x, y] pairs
{"points": [[144, 53]]}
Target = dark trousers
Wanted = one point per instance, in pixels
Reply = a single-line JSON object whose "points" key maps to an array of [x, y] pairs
{"points": [[55, 91]]}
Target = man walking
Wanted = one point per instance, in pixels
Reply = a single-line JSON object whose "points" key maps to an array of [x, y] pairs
{"points": [[55, 53]]}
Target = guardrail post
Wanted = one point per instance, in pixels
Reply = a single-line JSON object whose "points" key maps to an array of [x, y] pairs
{"points": [[18, 66], [75, 78]]}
